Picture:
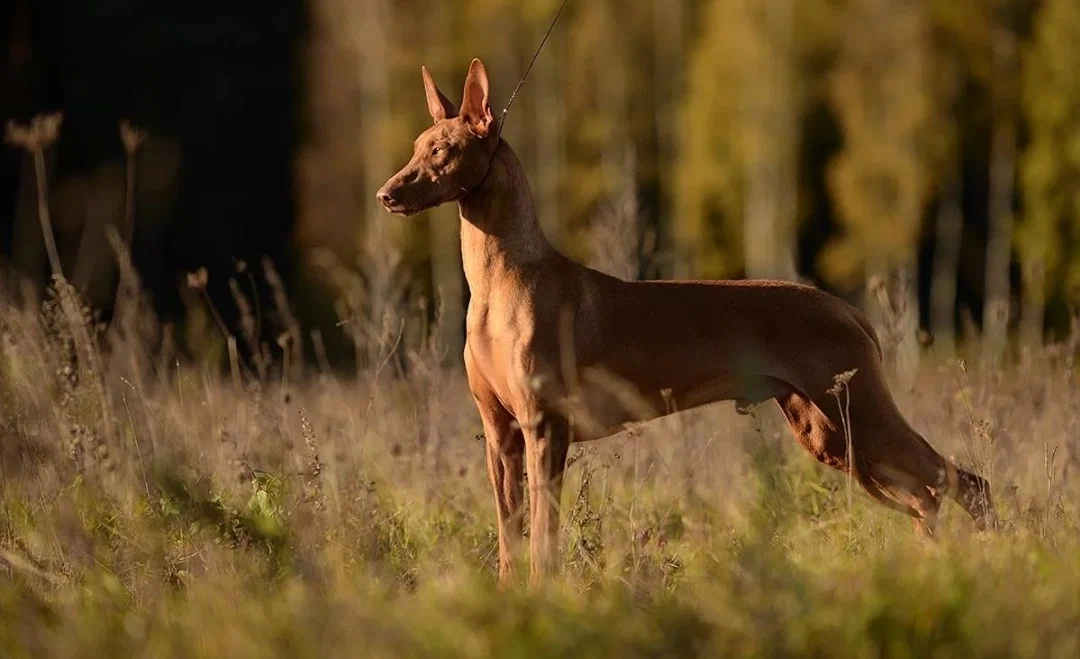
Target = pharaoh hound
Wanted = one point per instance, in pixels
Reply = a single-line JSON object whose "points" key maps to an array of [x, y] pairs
{"points": [[557, 352]]}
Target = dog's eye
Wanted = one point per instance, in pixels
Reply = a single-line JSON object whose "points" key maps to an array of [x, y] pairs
{"points": [[435, 150]]}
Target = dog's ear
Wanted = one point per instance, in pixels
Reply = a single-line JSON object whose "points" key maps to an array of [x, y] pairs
{"points": [[438, 105], [475, 109]]}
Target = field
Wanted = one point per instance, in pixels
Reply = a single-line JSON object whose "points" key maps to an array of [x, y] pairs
{"points": [[157, 509]]}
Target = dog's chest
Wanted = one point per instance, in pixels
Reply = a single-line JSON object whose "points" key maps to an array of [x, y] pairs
{"points": [[499, 343]]}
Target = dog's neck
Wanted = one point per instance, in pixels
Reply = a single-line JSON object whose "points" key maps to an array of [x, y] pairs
{"points": [[499, 229]]}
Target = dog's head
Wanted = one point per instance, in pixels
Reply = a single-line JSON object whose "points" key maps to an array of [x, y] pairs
{"points": [[451, 157]]}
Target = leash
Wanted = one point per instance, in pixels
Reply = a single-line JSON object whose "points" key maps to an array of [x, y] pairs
{"points": [[502, 117]]}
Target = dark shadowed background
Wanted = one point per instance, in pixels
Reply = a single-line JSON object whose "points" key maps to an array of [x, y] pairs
{"points": [[925, 144]]}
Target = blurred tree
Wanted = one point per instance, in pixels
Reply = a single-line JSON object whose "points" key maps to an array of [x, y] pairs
{"points": [[547, 111], [882, 93], [366, 105], [948, 228], [737, 174], [1003, 104], [1048, 238], [771, 91], [670, 46], [707, 240], [960, 77], [448, 284], [741, 133], [607, 90]]}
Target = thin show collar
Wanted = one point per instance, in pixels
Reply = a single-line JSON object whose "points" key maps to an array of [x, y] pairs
{"points": [[491, 161]]}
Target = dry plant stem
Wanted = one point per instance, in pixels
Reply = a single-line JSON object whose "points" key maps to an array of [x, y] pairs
{"points": [[149, 410], [18, 563], [43, 132], [320, 352], [970, 447], [381, 365], [850, 447], [686, 485], [1049, 458], [132, 138], [840, 382], [87, 349], [639, 486], [234, 365], [281, 302], [238, 386], [179, 386], [138, 450], [3, 468], [285, 347], [41, 497], [249, 330], [965, 397], [129, 201], [217, 317], [34, 139], [255, 300], [43, 212], [229, 337], [573, 519]]}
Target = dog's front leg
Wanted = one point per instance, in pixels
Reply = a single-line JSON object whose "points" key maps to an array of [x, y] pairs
{"points": [[505, 452], [547, 440]]}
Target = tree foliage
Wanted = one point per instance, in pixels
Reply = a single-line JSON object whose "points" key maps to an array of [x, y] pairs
{"points": [[814, 139], [1048, 238]]}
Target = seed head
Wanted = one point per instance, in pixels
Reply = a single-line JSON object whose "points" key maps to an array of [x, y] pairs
{"points": [[840, 381], [42, 131], [131, 136], [198, 279]]}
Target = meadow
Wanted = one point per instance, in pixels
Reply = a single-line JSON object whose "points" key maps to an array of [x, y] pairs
{"points": [[156, 506]]}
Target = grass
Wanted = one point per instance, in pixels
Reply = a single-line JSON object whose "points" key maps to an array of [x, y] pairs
{"points": [[151, 509]]}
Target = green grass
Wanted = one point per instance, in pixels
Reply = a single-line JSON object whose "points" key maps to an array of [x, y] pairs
{"points": [[155, 511]]}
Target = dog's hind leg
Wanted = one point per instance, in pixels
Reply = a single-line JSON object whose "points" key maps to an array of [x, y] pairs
{"points": [[906, 465], [826, 441]]}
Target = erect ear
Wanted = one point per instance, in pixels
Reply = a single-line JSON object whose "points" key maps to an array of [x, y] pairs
{"points": [[438, 105], [475, 109]]}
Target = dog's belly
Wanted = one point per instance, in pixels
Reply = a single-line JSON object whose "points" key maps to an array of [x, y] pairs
{"points": [[606, 405]]}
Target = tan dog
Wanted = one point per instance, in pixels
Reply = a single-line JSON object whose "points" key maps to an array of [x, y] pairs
{"points": [[557, 352]]}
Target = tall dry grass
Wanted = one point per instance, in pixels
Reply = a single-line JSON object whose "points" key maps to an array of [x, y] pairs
{"points": [[153, 506]]}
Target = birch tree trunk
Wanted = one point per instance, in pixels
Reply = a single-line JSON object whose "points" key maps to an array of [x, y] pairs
{"points": [[445, 236], [669, 55], [1002, 177], [381, 256], [770, 122], [1033, 315], [892, 305], [905, 311], [946, 267]]}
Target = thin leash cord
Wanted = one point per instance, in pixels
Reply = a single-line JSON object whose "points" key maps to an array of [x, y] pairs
{"points": [[502, 117]]}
